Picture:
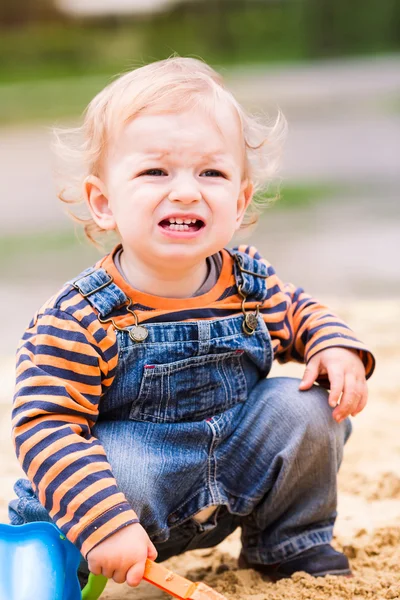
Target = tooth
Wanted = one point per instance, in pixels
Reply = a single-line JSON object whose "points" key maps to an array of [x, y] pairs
{"points": [[171, 220], [185, 227], [179, 221], [187, 221], [194, 220], [181, 227]]}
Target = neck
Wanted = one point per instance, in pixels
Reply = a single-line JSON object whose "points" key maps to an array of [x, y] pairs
{"points": [[165, 282]]}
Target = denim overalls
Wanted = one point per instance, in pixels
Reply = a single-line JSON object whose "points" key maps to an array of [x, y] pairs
{"points": [[191, 421]]}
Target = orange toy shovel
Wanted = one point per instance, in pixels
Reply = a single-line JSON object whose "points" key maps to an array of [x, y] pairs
{"points": [[178, 586]]}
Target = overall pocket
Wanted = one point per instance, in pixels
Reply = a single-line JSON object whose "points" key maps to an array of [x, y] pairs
{"points": [[191, 389]]}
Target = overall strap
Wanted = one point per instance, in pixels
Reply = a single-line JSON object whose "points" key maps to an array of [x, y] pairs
{"points": [[99, 289], [250, 275]]}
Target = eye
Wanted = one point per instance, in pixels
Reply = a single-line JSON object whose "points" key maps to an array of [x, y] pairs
{"points": [[213, 173], [153, 172]]}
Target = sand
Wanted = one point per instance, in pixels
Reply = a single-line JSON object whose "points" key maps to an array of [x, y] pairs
{"points": [[368, 525]]}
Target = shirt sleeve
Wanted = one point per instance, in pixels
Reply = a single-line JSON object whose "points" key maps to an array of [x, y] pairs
{"points": [[301, 326], [62, 370]]}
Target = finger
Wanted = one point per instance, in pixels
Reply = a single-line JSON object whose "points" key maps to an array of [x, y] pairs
{"points": [[310, 375], [336, 382], [107, 572], [94, 568], [135, 574], [349, 400], [152, 552], [363, 400], [119, 575]]}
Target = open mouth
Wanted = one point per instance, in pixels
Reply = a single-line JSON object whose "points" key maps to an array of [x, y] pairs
{"points": [[180, 224]]}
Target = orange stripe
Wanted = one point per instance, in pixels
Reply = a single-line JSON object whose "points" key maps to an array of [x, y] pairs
{"points": [[97, 510], [42, 434], [55, 361], [46, 380], [74, 478], [172, 304], [69, 345], [68, 365], [336, 342], [50, 417], [105, 530], [43, 454], [62, 401]]}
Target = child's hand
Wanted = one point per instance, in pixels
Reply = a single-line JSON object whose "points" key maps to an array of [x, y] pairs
{"points": [[346, 374], [123, 555]]}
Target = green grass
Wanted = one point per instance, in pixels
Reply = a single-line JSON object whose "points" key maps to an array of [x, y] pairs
{"points": [[301, 195], [48, 100], [39, 255]]}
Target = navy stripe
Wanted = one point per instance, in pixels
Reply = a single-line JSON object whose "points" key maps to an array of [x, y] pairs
{"points": [[22, 437], [304, 338], [44, 443], [303, 322], [329, 324], [110, 353], [80, 305], [86, 506], [79, 487], [49, 407], [86, 320], [63, 334], [66, 293], [333, 336], [68, 450], [65, 374], [104, 518], [229, 291], [70, 469], [273, 291], [51, 390], [192, 314], [275, 327], [271, 310], [303, 303], [68, 355]]}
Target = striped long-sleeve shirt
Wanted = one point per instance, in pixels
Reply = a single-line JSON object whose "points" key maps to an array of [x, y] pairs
{"points": [[67, 360]]}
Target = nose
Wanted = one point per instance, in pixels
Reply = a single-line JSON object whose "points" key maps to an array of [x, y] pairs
{"points": [[184, 189]]}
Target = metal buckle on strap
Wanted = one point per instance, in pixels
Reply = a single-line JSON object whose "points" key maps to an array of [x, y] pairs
{"points": [[100, 287], [137, 333], [250, 322], [238, 259]]}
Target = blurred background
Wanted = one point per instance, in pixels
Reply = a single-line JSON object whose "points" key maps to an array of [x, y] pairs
{"points": [[331, 66]]}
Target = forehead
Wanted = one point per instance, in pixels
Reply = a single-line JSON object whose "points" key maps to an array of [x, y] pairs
{"points": [[192, 131]]}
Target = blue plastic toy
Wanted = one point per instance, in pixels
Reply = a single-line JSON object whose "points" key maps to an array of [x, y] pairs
{"points": [[37, 562]]}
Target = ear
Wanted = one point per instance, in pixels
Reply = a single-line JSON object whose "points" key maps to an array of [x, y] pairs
{"points": [[244, 199], [95, 193]]}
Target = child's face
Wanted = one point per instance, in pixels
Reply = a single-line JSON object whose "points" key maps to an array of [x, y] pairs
{"points": [[172, 186]]}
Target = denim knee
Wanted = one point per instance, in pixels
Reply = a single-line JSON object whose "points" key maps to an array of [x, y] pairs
{"points": [[308, 410]]}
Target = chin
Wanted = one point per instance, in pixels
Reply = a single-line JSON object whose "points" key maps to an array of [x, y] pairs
{"points": [[184, 254]]}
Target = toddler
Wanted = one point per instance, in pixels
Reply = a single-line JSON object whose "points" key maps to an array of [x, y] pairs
{"points": [[144, 417]]}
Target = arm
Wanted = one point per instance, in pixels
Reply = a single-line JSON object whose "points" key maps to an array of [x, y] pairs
{"points": [[302, 327], [62, 370], [305, 330]]}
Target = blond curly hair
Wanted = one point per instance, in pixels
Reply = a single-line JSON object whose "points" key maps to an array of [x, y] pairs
{"points": [[171, 85]]}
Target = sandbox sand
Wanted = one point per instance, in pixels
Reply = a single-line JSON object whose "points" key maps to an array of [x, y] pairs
{"points": [[368, 525]]}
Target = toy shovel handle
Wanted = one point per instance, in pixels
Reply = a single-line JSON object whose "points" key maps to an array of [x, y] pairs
{"points": [[94, 587]]}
